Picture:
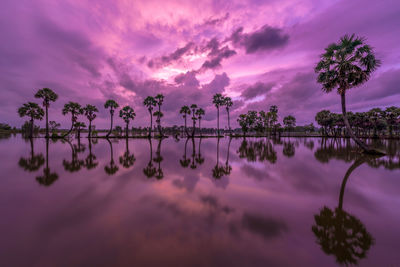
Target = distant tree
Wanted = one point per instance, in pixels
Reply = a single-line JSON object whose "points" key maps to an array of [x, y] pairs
{"points": [[218, 101], [90, 113], [193, 107], [289, 122], [33, 111], [200, 113], [185, 111], [273, 117], [127, 113], [112, 105], [227, 102], [47, 95], [75, 109], [344, 65], [150, 103], [160, 99], [392, 116]]}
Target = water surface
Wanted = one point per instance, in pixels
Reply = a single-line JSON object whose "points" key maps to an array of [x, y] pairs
{"points": [[227, 202]]}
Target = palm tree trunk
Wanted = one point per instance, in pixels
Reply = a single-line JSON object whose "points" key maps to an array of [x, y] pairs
{"points": [[47, 122], [31, 134], [200, 127], [229, 122], [151, 123], [218, 121], [72, 125], [111, 126], [346, 122], [194, 128], [159, 121], [90, 129], [186, 131], [126, 130]]}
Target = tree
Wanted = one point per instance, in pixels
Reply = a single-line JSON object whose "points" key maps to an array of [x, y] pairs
{"points": [[75, 109], [289, 122], [33, 111], [185, 110], [47, 95], [78, 126], [344, 65], [160, 99], [227, 102], [323, 119], [53, 125], [273, 117], [127, 113], [112, 105], [218, 100], [200, 113], [194, 118], [90, 113], [391, 115], [150, 103]]}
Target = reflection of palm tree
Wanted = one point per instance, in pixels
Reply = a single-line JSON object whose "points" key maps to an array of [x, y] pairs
{"points": [[228, 168], [90, 162], [127, 160], [199, 158], [193, 161], [111, 168], [34, 162], [340, 233], [48, 177], [185, 161], [288, 149], [75, 164], [159, 172], [150, 170], [218, 171]]}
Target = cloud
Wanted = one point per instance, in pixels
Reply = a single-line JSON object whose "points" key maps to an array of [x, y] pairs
{"points": [[257, 89], [173, 57], [265, 39]]}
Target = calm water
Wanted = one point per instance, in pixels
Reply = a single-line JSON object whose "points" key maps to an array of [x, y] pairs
{"points": [[292, 202]]}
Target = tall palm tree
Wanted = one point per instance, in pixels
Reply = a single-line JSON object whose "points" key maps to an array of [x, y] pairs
{"points": [[79, 126], [228, 104], [75, 109], [185, 110], [344, 65], [160, 99], [150, 103], [90, 113], [112, 105], [218, 100], [47, 95], [200, 113], [127, 113], [33, 111], [193, 107]]}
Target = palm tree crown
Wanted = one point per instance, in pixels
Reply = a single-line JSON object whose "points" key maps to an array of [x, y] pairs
{"points": [[47, 95], [185, 110], [90, 112], [127, 113], [31, 110]]}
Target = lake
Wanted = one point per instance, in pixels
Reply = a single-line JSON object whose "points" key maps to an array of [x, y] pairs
{"points": [[226, 202]]}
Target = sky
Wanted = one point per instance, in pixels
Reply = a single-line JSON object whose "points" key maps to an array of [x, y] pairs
{"points": [[260, 53]]}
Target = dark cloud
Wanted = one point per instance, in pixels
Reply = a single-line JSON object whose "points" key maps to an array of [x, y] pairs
{"points": [[265, 39], [256, 89], [265, 227], [216, 54], [173, 57], [187, 79], [216, 21]]}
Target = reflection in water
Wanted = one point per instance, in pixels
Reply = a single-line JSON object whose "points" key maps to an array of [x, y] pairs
{"points": [[150, 170], [127, 160], [288, 149], [199, 158], [75, 164], [90, 161], [340, 233], [260, 150], [48, 177], [218, 171], [111, 168], [158, 159], [185, 161], [34, 162]]}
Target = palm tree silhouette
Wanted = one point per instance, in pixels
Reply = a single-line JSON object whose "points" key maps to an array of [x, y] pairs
{"points": [[218, 171], [227, 102], [90, 161], [150, 103], [47, 95], [344, 65], [340, 233], [90, 113], [288, 149], [218, 100], [150, 170], [160, 99], [228, 168], [75, 109], [199, 158], [34, 162], [127, 113], [193, 164], [48, 177], [185, 161], [75, 164], [112, 105], [193, 107], [158, 159], [33, 111], [185, 110], [79, 126], [111, 168], [127, 160], [200, 113]]}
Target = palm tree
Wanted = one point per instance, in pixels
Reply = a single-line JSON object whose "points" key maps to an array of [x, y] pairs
{"points": [[160, 99], [159, 115], [75, 109], [228, 104], [344, 65], [78, 126], [193, 108], [90, 113], [218, 100], [185, 110], [150, 103], [47, 95], [289, 122], [127, 113], [112, 105], [33, 111], [200, 113]]}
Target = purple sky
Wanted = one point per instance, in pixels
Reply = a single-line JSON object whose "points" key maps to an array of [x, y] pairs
{"points": [[258, 52]]}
